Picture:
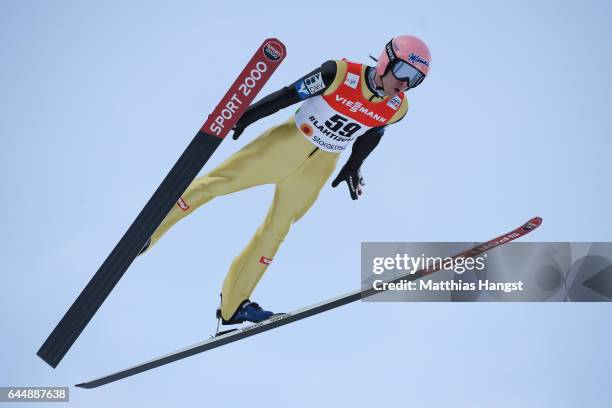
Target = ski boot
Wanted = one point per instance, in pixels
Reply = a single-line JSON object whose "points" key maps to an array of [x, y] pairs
{"points": [[247, 312]]}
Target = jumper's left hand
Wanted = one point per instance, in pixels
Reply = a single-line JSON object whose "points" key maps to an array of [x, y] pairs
{"points": [[353, 179]]}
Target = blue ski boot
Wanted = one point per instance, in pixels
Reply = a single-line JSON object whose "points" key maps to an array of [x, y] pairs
{"points": [[247, 312]]}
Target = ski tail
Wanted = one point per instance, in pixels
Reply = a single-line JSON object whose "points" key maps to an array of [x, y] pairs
{"points": [[121, 257], [281, 320], [235, 102]]}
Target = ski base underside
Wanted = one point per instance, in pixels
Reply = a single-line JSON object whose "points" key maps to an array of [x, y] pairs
{"points": [[279, 320], [99, 287], [235, 102]]}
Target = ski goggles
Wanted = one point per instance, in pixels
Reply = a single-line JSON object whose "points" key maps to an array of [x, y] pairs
{"points": [[404, 71]]}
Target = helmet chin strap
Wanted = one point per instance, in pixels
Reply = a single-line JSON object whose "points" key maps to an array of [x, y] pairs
{"points": [[379, 91]]}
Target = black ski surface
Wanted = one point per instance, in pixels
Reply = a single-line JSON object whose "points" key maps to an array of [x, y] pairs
{"points": [[250, 81], [283, 319]]}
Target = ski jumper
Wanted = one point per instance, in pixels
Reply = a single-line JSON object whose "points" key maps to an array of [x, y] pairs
{"points": [[298, 156]]}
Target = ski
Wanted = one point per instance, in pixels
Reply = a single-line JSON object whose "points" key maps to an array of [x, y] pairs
{"points": [[286, 318], [235, 102]]}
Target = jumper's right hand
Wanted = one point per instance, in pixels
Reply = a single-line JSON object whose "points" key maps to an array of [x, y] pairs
{"points": [[238, 129]]}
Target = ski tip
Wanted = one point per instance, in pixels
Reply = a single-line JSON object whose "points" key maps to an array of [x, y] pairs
{"points": [[82, 385], [275, 40], [533, 223], [274, 48]]}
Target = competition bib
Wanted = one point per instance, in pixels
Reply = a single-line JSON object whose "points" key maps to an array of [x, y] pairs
{"points": [[331, 122]]}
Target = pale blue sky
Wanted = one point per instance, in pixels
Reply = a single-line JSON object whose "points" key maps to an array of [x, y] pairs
{"points": [[98, 99]]}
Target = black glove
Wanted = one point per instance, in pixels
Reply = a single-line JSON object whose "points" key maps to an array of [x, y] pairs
{"points": [[353, 180], [238, 129]]}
